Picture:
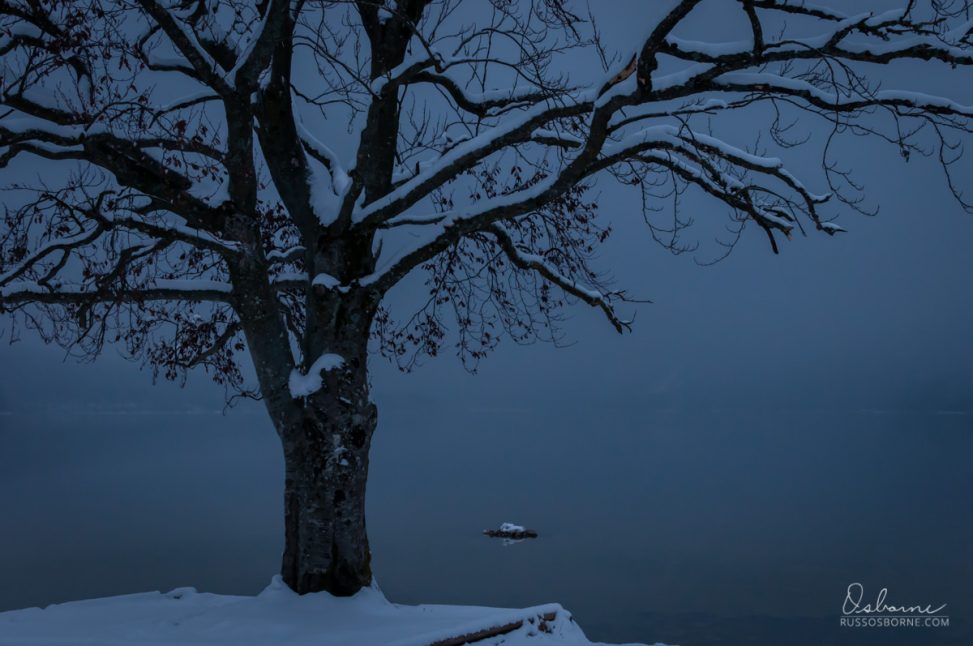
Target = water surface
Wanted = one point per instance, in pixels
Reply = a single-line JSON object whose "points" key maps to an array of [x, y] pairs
{"points": [[699, 527]]}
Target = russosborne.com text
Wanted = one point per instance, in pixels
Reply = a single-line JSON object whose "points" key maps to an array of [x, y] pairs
{"points": [[895, 622]]}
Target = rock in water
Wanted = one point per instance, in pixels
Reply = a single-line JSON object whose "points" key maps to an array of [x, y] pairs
{"points": [[511, 531]]}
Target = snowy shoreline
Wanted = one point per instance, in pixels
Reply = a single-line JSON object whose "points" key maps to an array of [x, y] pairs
{"points": [[279, 616]]}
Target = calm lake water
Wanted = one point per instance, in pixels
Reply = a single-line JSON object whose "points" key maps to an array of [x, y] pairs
{"points": [[699, 527]]}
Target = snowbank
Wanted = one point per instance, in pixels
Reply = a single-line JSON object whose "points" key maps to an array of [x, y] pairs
{"points": [[278, 616]]}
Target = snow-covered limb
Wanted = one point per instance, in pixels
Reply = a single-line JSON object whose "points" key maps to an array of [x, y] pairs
{"points": [[254, 56], [188, 101], [326, 196], [513, 129], [769, 85], [743, 199], [698, 143], [54, 141], [706, 51], [655, 41], [39, 116], [400, 74], [108, 220], [482, 104], [555, 138], [800, 7], [176, 232], [205, 68], [98, 224], [131, 162], [160, 290], [327, 157]]}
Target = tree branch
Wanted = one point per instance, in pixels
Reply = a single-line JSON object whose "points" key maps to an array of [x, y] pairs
{"points": [[533, 262]]}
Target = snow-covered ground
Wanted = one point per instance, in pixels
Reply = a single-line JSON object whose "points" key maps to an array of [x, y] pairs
{"points": [[278, 616]]}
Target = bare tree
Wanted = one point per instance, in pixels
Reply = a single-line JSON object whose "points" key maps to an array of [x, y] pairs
{"points": [[171, 186]]}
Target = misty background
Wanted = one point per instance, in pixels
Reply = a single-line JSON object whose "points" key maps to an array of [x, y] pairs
{"points": [[774, 428]]}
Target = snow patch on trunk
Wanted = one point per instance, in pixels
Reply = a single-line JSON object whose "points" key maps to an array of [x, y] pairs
{"points": [[302, 385]]}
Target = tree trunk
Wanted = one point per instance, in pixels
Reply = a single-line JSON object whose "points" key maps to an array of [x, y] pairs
{"points": [[326, 461], [326, 432]]}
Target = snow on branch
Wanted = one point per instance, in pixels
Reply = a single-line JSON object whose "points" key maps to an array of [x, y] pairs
{"points": [[176, 232], [160, 290], [254, 57], [800, 7], [482, 104], [325, 194], [513, 129], [766, 84], [204, 66]]}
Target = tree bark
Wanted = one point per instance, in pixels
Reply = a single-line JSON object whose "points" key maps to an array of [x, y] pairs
{"points": [[326, 468], [325, 434], [326, 443]]}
